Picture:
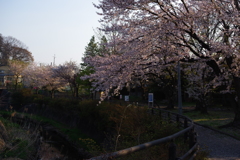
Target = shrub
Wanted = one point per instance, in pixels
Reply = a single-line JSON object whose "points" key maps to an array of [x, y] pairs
{"points": [[95, 116], [90, 145], [135, 126], [63, 103], [40, 100], [22, 97], [132, 125]]}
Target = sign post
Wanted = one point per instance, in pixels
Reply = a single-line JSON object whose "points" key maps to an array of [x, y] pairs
{"points": [[150, 99]]}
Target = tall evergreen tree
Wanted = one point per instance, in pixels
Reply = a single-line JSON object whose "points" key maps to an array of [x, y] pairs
{"points": [[102, 47], [92, 48]]}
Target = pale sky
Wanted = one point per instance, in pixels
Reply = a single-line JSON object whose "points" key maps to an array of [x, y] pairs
{"points": [[50, 27]]}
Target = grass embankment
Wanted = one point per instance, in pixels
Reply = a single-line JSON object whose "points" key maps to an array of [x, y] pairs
{"points": [[19, 143], [133, 124], [73, 133], [23, 141]]}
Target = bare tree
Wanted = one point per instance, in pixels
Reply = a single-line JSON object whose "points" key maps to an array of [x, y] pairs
{"points": [[13, 49]]}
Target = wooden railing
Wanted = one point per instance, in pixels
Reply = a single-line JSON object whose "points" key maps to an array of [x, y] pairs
{"points": [[187, 132]]}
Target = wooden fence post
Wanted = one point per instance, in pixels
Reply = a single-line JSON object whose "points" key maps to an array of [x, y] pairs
{"points": [[178, 121], [192, 138], [172, 151], [160, 115], [169, 117], [185, 126]]}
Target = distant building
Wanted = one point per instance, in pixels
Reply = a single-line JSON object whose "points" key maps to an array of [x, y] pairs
{"points": [[6, 77]]}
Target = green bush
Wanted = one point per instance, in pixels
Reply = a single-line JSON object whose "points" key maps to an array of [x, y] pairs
{"points": [[133, 98], [40, 100], [137, 126], [22, 97], [96, 116], [130, 126], [134, 124], [63, 103]]}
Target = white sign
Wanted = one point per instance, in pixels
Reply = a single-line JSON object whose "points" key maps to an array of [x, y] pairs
{"points": [[150, 97], [126, 98]]}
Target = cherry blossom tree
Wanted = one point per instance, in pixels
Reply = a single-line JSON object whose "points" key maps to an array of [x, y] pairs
{"points": [[17, 68], [42, 76], [33, 76], [69, 72], [200, 84], [154, 33], [53, 83]]}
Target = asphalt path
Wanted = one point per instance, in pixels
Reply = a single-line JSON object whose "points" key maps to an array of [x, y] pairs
{"points": [[220, 146]]}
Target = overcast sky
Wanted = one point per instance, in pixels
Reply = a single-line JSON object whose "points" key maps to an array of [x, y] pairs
{"points": [[50, 27]]}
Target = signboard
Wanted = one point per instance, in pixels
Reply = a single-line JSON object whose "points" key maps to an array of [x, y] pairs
{"points": [[126, 98], [150, 97]]}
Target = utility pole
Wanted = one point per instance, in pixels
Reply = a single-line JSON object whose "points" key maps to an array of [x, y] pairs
{"points": [[179, 89], [54, 60]]}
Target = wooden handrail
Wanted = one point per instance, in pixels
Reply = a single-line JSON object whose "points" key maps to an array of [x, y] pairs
{"points": [[190, 127]]}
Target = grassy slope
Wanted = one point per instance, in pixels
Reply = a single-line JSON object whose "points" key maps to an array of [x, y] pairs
{"points": [[73, 133]]}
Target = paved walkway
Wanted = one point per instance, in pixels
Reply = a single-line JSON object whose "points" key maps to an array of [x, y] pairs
{"points": [[220, 146]]}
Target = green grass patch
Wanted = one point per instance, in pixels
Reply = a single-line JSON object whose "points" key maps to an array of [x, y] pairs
{"points": [[213, 118], [19, 150]]}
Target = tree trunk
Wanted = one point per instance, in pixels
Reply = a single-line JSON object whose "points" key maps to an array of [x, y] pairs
{"points": [[202, 107], [52, 94], [16, 83], [170, 99], [72, 90], [198, 106], [76, 91], [170, 104], [236, 103]]}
